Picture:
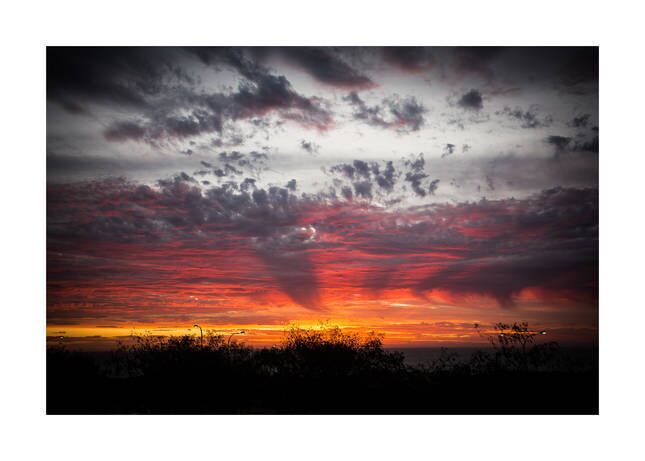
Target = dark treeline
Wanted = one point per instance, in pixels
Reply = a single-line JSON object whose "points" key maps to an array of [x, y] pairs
{"points": [[318, 371]]}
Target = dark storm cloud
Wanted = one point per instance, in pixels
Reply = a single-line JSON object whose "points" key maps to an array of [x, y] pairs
{"points": [[476, 60], [410, 59], [327, 67], [401, 114], [580, 66], [112, 76], [568, 69], [528, 118], [163, 100], [471, 100], [263, 90]]}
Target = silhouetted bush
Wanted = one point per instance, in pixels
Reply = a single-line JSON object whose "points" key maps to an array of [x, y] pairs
{"points": [[313, 370]]}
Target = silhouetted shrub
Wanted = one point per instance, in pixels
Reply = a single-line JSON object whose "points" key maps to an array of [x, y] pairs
{"points": [[515, 349], [312, 370]]}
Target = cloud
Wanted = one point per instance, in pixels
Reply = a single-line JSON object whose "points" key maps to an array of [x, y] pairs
{"points": [[416, 176], [586, 146], [327, 67], [579, 122], [363, 168], [123, 213], [310, 146], [345, 169], [471, 100], [363, 189], [580, 67], [137, 242], [129, 77], [386, 178], [164, 101], [409, 59], [244, 230], [564, 145], [400, 114], [560, 143], [378, 180], [528, 118], [476, 60], [449, 149]]}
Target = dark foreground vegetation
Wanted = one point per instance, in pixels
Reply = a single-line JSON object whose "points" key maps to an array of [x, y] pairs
{"points": [[319, 371]]}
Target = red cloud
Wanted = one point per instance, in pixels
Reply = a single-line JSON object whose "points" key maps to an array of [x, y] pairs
{"points": [[122, 252]]}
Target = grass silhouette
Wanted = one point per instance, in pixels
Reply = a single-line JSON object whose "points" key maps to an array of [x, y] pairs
{"points": [[318, 371]]}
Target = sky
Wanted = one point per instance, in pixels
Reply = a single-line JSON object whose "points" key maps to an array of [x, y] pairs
{"points": [[407, 191]]}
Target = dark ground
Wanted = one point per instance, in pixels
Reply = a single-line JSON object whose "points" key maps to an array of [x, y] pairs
{"points": [[312, 374]]}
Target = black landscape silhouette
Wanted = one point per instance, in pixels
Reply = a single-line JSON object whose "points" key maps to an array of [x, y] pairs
{"points": [[322, 371]]}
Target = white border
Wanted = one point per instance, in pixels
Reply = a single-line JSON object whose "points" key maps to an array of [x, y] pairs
{"points": [[29, 26]]}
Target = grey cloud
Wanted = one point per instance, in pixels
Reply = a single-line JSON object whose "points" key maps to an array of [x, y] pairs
{"points": [[183, 112], [363, 189], [128, 76], [579, 122], [528, 118], [449, 149], [471, 100], [559, 142], [410, 59], [309, 146], [327, 67], [400, 114]]}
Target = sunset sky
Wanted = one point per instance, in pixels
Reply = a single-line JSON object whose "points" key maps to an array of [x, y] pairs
{"points": [[409, 191]]}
